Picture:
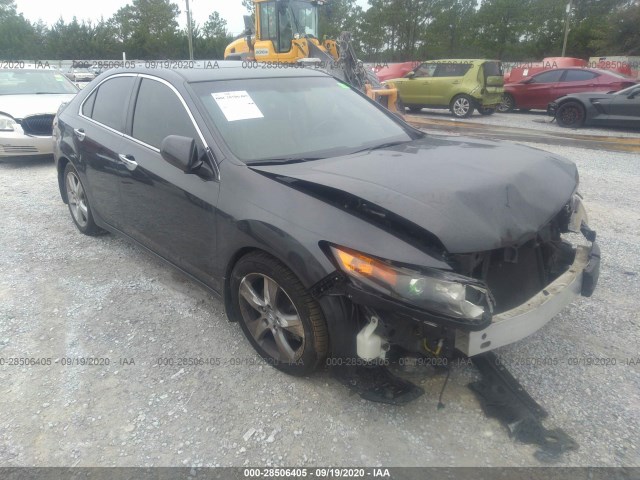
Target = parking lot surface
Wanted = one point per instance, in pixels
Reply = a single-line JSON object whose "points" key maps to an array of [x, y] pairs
{"points": [[172, 383], [535, 120]]}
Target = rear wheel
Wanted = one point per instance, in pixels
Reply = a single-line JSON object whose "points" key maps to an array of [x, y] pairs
{"points": [[277, 314], [508, 104], [570, 115], [78, 203], [462, 106]]}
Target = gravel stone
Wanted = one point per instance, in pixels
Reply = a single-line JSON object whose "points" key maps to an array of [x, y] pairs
{"points": [[66, 296]]}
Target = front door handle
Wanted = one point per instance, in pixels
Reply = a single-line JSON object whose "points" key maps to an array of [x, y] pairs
{"points": [[128, 161], [79, 132]]}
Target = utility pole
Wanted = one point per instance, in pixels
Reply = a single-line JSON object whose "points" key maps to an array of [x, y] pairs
{"points": [[566, 27], [189, 32]]}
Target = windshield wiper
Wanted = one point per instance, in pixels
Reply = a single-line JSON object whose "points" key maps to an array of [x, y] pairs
{"points": [[381, 146], [282, 161]]}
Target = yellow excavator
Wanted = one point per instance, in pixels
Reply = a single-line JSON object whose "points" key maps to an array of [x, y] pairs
{"points": [[286, 33]]}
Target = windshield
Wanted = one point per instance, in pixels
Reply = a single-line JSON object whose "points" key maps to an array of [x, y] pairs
{"points": [[28, 82], [294, 118], [303, 18]]}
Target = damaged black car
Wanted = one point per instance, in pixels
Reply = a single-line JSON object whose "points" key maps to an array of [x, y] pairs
{"points": [[331, 229]]}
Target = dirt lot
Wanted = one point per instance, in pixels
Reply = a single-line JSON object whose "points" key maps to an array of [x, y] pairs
{"points": [[64, 296]]}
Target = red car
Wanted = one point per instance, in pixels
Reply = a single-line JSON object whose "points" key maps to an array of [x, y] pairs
{"points": [[538, 90], [395, 70]]}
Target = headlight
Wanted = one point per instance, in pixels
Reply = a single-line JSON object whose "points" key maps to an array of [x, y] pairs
{"points": [[6, 123], [441, 292]]}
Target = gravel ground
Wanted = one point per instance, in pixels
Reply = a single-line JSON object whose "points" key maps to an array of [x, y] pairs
{"points": [[536, 120], [64, 295]]}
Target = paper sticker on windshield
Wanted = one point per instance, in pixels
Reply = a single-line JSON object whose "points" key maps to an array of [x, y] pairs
{"points": [[59, 77], [237, 105]]}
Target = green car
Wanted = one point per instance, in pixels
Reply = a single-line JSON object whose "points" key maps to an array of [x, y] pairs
{"points": [[459, 85]]}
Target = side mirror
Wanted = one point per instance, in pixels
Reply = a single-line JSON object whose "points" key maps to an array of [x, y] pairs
{"points": [[528, 80], [181, 152], [633, 94], [411, 74]]}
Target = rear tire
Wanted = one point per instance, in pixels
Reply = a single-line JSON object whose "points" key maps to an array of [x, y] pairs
{"points": [[78, 202], [279, 317], [462, 106], [570, 115]]}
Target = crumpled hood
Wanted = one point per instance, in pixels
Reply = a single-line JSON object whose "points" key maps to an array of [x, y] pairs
{"points": [[20, 106], [474, 195]]}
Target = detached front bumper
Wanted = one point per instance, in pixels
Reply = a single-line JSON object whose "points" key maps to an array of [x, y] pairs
{"points": [[520, 322]]}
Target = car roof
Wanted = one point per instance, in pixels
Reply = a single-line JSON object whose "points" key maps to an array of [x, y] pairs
{"points": [[205, 71]]}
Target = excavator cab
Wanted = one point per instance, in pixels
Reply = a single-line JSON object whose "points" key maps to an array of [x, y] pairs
{"points": [[286, 32]]}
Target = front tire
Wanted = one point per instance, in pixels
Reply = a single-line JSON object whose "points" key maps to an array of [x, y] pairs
{"points": [[570, 115], [281, 320], [78, 202], [462, 106]]}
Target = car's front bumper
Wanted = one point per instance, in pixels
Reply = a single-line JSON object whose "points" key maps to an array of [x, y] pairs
{"points": [[18, 144], [520, 322]]}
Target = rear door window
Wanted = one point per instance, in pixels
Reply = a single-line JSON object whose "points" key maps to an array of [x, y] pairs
{"points": [[158, 114], [578, 76], [547, 77], [452, 69], [111, 102]]}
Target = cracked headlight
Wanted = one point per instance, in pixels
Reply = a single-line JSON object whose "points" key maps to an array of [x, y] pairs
{"points": [[433, 290], [7, 124]]}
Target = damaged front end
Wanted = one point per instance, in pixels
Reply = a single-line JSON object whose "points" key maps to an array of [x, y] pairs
{"points": [[491, 298]]}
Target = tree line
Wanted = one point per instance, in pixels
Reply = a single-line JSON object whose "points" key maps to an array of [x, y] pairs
{"points": [[510, 30], [144, 29], [389, 30]]}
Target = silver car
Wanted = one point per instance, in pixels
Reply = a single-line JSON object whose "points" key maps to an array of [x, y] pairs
{"points": [[29, 100]]}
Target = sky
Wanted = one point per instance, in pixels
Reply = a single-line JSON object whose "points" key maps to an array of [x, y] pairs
{"points": [[49, 11]]}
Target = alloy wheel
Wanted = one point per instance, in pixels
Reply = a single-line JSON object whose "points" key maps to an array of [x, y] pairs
{"points": [[271, 317], [77, 199], [461, 106]]}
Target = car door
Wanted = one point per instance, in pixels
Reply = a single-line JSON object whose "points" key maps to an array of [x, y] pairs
{"points": [[539, 90], [417, 89], [169, 211], [447, 82], [576, 81], [98, 135], [625, 109]]}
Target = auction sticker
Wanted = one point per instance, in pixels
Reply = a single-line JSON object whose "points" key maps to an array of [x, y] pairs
{"points": [[237, 105]]}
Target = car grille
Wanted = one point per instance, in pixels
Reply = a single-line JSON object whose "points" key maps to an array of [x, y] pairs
{"points": [[38, 125]]}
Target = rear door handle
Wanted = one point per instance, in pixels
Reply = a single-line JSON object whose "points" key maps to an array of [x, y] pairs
{"points": [[128, 161], [79, 132]]}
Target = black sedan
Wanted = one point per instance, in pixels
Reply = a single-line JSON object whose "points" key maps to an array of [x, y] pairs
{"points": [[613, 109], [334, 232]]}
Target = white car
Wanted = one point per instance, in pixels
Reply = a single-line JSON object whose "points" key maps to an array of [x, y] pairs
{"points": [[29, 100]]}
